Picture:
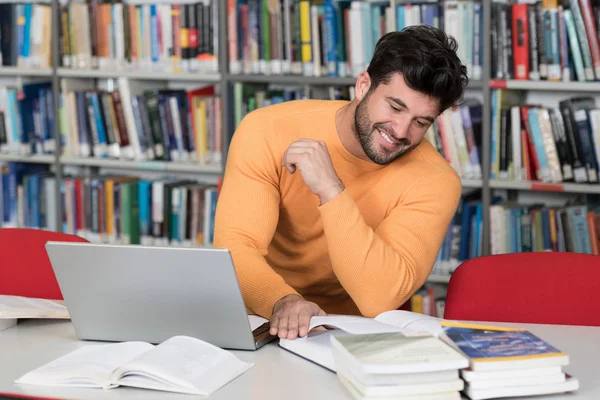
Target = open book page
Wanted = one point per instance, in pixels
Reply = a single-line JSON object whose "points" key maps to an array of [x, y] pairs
{"points": [[353, 324], [256, 321], [89, 366], [25, 307], [412, 322], [182, 364]]}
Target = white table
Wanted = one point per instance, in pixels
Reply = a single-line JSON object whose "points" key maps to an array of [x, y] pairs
{"points": [[277, 374]]}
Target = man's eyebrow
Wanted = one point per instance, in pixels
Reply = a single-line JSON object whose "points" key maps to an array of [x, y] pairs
{"points": [[403, 105]]}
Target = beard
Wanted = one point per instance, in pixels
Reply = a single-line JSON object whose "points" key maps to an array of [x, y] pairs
{"points": [[366, 131]]}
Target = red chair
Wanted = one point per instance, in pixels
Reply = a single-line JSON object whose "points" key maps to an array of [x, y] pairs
{"points": [[544, 288], [25, 269]]}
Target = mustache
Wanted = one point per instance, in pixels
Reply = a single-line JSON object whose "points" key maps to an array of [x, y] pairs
{"points": [[381, 127]]}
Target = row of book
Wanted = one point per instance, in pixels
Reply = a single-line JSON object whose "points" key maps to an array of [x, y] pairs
{"points": [[165, 37], [338, 37], [27, 119], [429, 300], [546, 40], [110, 209], [531, 142], [25, 35], [247, 97], [134, 121], [463, 240], [516, 228], [457, 134]]}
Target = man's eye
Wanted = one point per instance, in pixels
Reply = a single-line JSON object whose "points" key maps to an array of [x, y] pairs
{"points": [[395, 109], [420, 124]]}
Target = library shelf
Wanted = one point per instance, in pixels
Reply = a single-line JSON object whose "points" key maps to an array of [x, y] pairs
{"points": [[139, 75], [591, 188], [34, 158], [166, 166], [546, 85], [25, 72]]}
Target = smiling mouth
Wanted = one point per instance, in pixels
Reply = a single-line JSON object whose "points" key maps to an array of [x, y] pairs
{"points": [[387, 138]]}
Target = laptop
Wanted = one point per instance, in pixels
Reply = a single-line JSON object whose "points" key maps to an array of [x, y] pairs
{"points": [[145, 293]]}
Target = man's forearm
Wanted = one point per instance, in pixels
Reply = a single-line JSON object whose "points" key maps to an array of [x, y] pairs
{"points": [[261, 287]]}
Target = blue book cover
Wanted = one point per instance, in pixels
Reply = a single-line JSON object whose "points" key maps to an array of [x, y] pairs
{"points": [[25, 44], [144, 194], [154, 34], [368, 33], [98, 119], [63, 203], [400, 20], [5, 197], [546, 229], [34, 201], [538, 141], [491, 343], [330, 38], [42, 131]]}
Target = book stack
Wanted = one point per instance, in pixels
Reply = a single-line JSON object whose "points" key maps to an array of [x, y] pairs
{"points": [[507, 362], [398, 365]]}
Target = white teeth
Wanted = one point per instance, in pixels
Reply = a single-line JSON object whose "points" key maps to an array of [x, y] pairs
{"points": [[386, 137]]}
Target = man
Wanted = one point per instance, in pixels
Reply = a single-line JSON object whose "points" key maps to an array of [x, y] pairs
{"points": [[341, 207]]}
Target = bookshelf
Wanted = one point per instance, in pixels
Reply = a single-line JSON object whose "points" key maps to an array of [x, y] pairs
{"points": [[140, 75], [224, 81]]}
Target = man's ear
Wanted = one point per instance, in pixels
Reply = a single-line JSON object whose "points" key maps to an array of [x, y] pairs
{"points": [[362, 86]]}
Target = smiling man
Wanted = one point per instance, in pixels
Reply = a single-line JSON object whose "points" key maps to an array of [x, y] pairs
{"points": [[341, 207]]}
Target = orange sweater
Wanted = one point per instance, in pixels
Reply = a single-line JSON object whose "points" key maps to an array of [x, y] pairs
{"points": [[364, 252]]}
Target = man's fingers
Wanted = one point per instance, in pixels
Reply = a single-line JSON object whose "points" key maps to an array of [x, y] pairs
{"points": [[303, 323], [283, 327], [274, 325], [292, 160], [322, 313], [292, 326]]}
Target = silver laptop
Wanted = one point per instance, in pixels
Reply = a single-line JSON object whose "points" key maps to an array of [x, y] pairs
{"points": [[125, 293]]}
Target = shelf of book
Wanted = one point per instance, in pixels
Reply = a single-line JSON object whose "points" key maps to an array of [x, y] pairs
{"points": [[308, 80], [551, 86], [173, 167], [438, 279], [293, 79], [140, 75], [472, 183], [36, 158], [19, 71], [546, 187]]}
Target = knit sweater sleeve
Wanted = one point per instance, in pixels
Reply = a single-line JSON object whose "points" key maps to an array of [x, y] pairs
{"points": [[380, 268], [247, 215]]}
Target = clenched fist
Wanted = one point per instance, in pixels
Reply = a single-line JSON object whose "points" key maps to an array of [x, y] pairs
{"points": [[312, 159]]}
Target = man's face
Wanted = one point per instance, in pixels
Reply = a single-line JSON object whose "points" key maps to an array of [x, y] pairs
{"points": [[392, 120]]}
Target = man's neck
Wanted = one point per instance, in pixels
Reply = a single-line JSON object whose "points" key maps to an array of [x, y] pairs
{"points": [[344, 124]]}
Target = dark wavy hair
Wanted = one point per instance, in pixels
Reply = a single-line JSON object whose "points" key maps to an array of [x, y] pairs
{"points": [[427, 59]]}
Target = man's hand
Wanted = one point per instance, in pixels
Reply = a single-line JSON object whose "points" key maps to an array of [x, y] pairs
{"points": [[312, 159], [291, 317]]}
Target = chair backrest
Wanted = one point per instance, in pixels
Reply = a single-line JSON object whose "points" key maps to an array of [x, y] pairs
{"points": [[545, 288], [25, 269]]}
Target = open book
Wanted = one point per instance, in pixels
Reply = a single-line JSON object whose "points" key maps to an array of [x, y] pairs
{"points": [[13, 308], [316, 346], [180, 364], [27, 307]]}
